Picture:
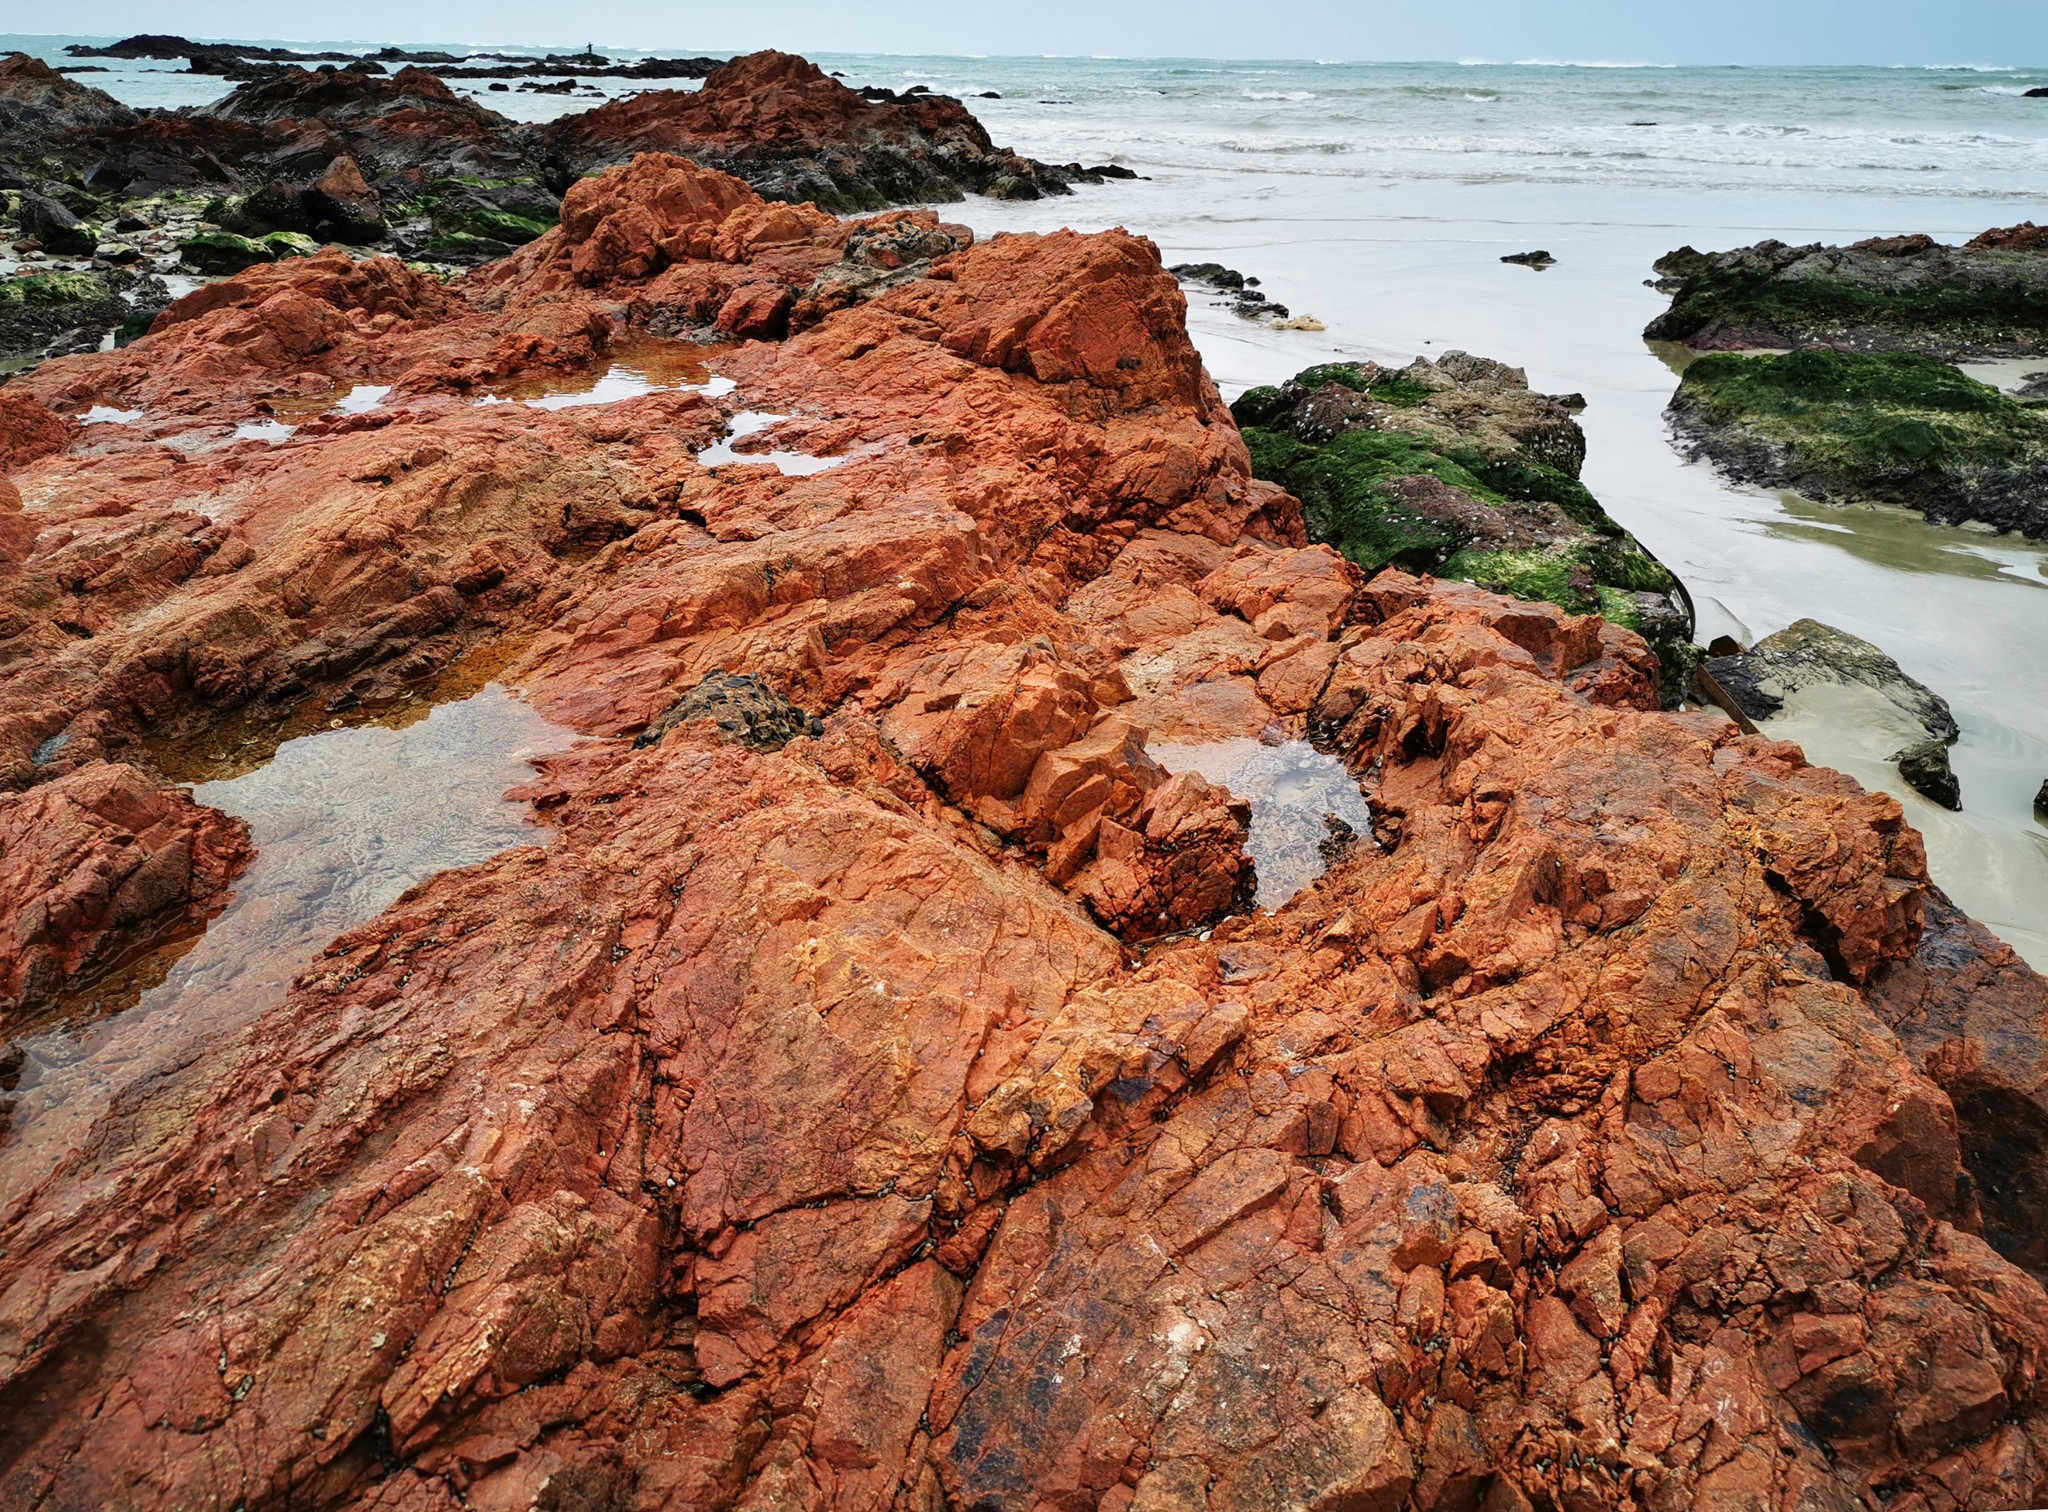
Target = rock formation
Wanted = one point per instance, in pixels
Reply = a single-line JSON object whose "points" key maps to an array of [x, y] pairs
{"points": [[1628, 1123], [1988, 298], [796, 134], [1847, 426], [402, 162], [1777, 670], [1456, 466]]}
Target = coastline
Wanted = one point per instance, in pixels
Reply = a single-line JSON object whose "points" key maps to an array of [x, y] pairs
{"points": [[861, 1066]]}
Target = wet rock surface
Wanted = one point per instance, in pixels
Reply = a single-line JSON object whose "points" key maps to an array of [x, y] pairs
{"points": [[1773, 674], [1987, 298], [1630, 1124]]}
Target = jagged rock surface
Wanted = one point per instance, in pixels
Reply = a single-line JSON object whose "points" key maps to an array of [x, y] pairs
{"points": [[1625, 1126]]}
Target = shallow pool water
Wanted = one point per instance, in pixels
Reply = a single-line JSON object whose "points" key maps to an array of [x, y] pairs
{"points": [[1295, 791], [343, 823], [639, 365], [752, 423], [361, 399], [107, 414], [276, 432]]}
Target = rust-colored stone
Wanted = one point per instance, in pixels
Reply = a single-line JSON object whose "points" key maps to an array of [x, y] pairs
{"points": [[1626, 1122]]}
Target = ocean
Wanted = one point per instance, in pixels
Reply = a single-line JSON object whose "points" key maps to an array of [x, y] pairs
{"points": [[1380, 198]]}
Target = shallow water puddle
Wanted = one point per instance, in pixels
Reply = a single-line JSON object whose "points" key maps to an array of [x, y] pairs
{"points": [[276, 432], [107, 414], [361, 399], [645, 365], [621, 382], [1295, 791], [343, 823], [752, 423]]}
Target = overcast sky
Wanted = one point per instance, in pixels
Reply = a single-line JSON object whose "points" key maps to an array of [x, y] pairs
{"points": [[1704, 31]]}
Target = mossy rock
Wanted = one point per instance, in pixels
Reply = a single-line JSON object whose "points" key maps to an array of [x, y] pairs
{"points": [[50, 289], [284, 244], [510, 212], [1943, 301], [1417, 480], [223, 252], [134, 326], [505, 226], [1392, 389], [1895, 426]]}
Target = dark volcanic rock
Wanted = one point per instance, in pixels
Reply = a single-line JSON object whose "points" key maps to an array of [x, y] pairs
{"points": [[65, 312], [35, 98], [337, 205], [1927, 772], [737, 709], [1773, 674], [796, 134], [54, 226]]}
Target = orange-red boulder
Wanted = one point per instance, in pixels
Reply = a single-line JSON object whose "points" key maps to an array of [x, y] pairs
{"points": [[95, 864]]}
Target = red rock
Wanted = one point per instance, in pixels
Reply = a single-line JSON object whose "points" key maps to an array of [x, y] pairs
{"points": [[756, 310], [2025, 237], [28, 431], [780, 122], [1623, 1124], [96, 864], [34, 97]]}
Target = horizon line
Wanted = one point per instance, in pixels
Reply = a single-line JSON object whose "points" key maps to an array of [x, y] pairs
{"points": [[1465, 62]]}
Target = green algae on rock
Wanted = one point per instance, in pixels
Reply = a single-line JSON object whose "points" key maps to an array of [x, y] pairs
{"points": [[1457, 468], [223, 252], [473, 219], [71, 311], [1988, 298], [1897, 427]]}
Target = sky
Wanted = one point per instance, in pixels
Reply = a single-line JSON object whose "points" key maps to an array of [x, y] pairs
{"points": [[2011, 32]]}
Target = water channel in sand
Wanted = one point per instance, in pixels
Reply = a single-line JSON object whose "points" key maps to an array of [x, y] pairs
{"points": [[343, 822]]}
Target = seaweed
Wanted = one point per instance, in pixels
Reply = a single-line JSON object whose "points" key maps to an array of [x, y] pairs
{"points": [[1879, 422], [1351, 487]]}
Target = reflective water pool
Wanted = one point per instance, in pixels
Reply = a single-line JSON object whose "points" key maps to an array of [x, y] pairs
{"points": [[343, 823], [1295, 792]]}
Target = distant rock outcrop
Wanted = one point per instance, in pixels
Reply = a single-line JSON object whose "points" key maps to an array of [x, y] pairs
{"points": [[794, 133]]}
